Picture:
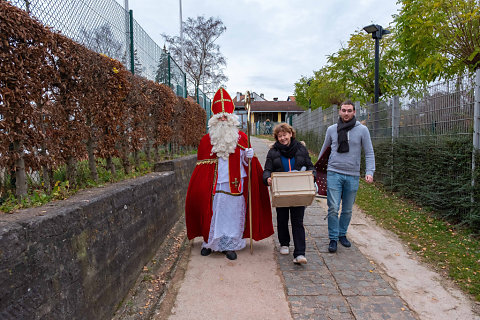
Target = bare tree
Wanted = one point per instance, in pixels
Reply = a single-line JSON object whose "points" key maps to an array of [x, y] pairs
{"points": [[202, 57], [102, 40], [138, 67]]}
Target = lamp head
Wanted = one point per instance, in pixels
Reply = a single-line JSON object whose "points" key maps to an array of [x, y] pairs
{"points": [[376, 30], [371, 28]]}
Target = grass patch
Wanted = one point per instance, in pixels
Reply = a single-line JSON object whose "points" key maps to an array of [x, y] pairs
{"points": [[450, 250]]}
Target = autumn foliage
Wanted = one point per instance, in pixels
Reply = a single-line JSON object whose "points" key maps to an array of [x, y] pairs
{"points": [[61, 103]]}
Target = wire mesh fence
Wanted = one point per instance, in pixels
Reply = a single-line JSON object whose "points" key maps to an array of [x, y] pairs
{"points": [[104, 27], [445, 110], [205, 103], [312, 124]]}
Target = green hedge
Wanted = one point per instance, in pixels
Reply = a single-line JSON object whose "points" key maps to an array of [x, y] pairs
{"points": [[434, 172]]}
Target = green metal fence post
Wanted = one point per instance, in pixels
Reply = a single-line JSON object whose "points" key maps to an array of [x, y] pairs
{"points": [[169, 72], [132, 55], [205, 107], [184, 84]]}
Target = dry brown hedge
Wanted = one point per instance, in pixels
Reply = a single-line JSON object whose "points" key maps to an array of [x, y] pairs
{"points": [[61, 102]]}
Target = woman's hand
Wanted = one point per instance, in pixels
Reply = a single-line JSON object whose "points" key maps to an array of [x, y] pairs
{"points": [[269, 181]]}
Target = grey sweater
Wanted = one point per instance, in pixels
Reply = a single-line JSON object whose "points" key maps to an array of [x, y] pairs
{"points": [[349, 163]]}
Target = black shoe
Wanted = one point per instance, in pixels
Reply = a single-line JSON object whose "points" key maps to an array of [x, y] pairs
{"points": [[344, 241], [205, 251], [332, 247], [231, 255]]}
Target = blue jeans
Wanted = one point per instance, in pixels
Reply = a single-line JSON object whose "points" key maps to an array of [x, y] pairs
{"points": [[340, 187]]}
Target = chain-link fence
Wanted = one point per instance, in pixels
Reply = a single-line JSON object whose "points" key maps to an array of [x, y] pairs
{"points": [[104, 26], [205, 103], [314, 123], [445, 110]]}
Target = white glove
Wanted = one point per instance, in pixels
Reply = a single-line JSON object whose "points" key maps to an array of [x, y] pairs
{"points": [[249, 153]]}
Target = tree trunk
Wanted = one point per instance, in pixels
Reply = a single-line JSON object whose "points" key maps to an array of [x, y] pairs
{"points": [[136, 159], [50, 175], [111, 166], [127, 167], [92, 165], [71, 172], [147, 151], [20, 175], [156, 154], [2, 178], [47, 182]]}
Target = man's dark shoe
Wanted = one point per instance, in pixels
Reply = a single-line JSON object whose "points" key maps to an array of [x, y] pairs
{"points": [[344, 241], [231, 255], [205, 251], [332, 247]]}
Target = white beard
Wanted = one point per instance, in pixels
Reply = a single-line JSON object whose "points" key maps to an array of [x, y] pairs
{"points": [[223, 134]]}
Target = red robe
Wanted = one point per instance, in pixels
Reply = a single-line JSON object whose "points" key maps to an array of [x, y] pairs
{"points": [[198, 205]]}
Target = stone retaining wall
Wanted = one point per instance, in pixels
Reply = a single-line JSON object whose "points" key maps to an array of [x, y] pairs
{"points": [[77, 258]]}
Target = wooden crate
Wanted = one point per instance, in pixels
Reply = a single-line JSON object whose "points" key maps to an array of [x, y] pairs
{"points": [[292, 189]]}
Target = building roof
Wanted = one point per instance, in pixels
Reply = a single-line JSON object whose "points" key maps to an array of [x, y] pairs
{"points": [[272, 106], [242, 98]]}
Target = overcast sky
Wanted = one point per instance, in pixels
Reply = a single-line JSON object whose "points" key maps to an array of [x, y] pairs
{"points": [[269, 44]]}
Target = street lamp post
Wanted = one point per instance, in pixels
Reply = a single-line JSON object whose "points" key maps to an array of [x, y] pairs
{"points": [[309, 82], [377, 32]]}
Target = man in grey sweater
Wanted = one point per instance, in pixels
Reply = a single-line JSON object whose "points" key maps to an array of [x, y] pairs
{"points": [[346, 139]]}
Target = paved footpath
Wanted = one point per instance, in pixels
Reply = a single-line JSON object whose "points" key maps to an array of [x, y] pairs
{"points": [[344, 285], [267, 285]]}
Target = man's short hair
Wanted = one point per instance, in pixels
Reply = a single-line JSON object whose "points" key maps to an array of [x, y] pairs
{"points": [[283, 127], [348, 102]]}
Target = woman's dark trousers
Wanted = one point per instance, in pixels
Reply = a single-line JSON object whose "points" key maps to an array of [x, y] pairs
{"points": [[298, 231]]}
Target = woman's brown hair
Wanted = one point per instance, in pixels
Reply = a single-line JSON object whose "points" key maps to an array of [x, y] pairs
{"points": [[283, 127]]}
